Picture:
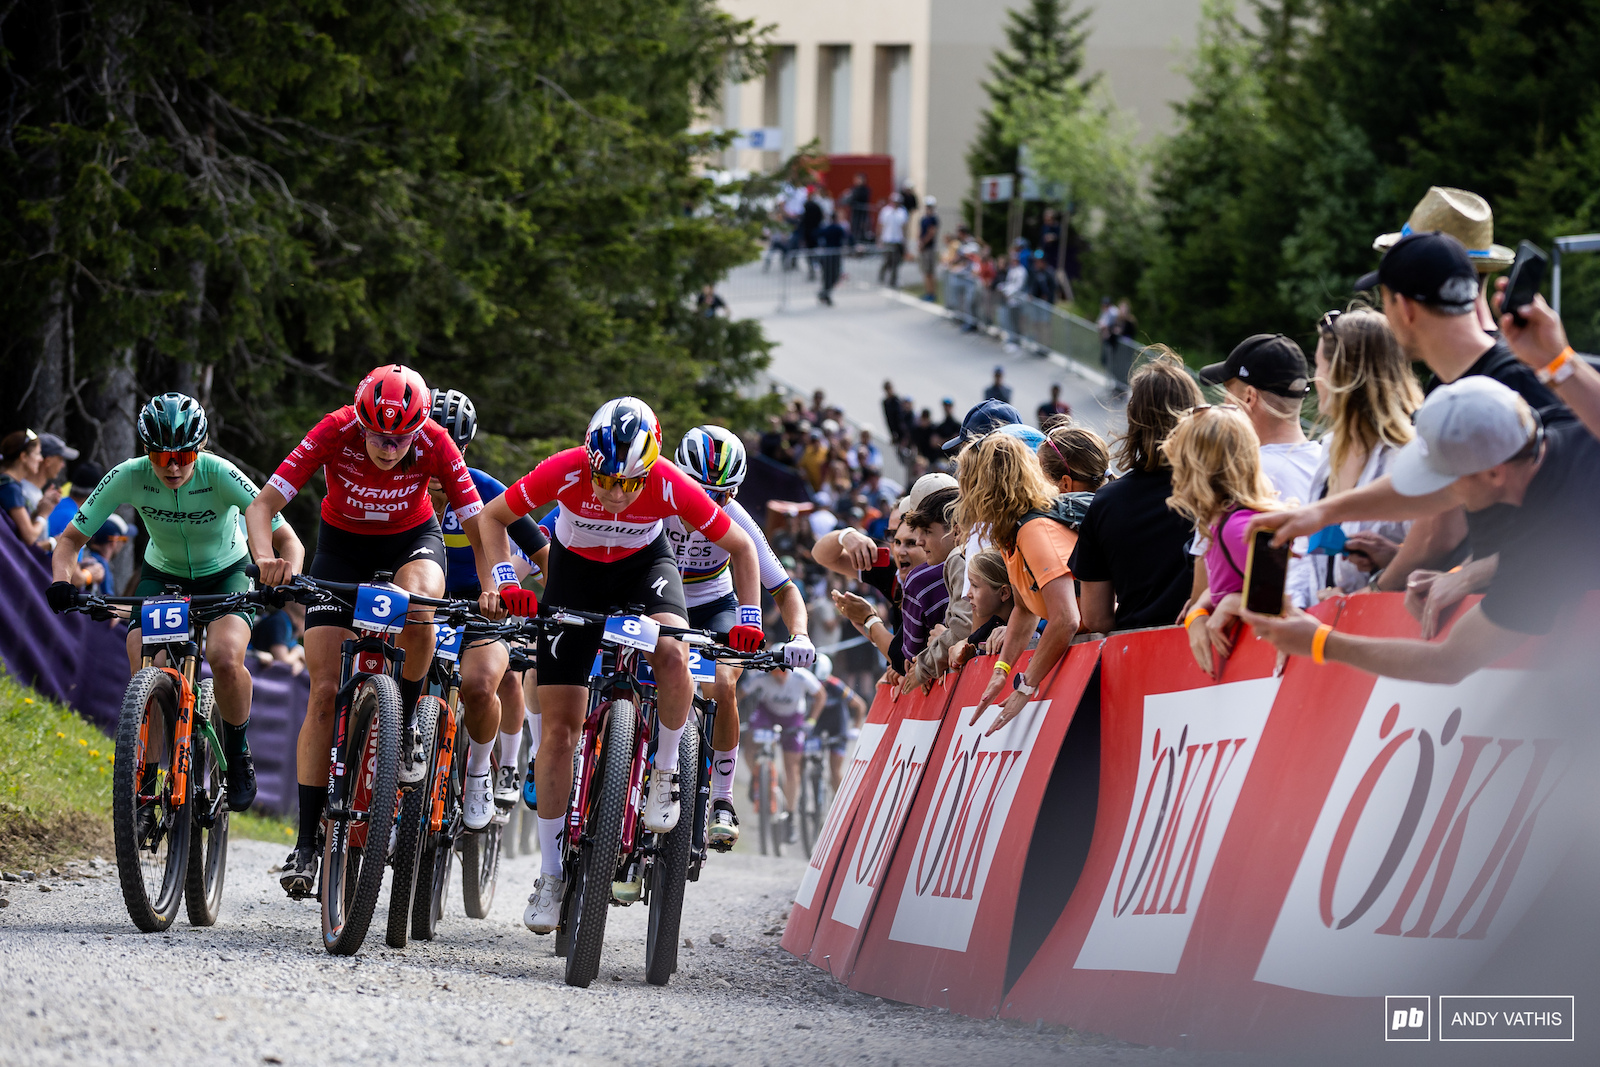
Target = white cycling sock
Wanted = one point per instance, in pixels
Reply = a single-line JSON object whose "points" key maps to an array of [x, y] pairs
{"points": [[478, 756], [510, 748], [723, 766], [550, 846], [667, 746], [536, 722]]}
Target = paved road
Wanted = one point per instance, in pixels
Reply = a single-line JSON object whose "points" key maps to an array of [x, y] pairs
{"points": [[78, 984], [867, 336]]}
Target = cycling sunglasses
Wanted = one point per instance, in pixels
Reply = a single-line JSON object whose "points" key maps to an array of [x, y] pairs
{"points": [[391, 442], [182, 458], [627, 485], [718, 496], [1325, 324]]}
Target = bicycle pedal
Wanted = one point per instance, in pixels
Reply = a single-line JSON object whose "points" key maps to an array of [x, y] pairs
{"points": [[627, 892]]}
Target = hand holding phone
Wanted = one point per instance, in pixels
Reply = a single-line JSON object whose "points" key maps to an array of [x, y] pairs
{"points": [[1266, 572], [1527, 274]]}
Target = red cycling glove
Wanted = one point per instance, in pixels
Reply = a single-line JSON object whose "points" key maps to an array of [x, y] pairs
{"points": [[746, 638], [520, 601]]}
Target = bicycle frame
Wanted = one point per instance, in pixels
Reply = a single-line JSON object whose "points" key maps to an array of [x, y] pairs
{"points": [[360, 658], [617, 679]]}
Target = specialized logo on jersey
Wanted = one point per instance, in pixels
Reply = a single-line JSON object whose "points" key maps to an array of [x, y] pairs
{"points": [[566, 483], [666, 493]]}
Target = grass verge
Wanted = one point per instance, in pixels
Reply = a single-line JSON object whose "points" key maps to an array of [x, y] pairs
{"points": [[55, 785]]}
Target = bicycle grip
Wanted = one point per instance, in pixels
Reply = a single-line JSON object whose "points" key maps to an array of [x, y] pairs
{"points": [[252, 572]]}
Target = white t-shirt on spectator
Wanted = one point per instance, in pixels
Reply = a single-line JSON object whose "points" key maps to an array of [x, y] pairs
{"points": [[891, 225], [1290, 469], [977, 541]]}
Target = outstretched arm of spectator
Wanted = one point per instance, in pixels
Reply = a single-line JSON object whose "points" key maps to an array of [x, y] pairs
{"points": [[1540, 343], [1061, 607], [1099, 606], [847, 551], [1430, 539], [1474, 643], [1375, 500]]}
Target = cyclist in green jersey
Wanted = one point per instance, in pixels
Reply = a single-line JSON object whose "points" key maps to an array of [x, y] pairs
{"points": [[190, 502]]}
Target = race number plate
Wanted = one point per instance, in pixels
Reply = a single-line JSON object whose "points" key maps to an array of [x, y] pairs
{"points": [[164, 620], [447, 644], [381, 608], [702, 668], [634, 631]]}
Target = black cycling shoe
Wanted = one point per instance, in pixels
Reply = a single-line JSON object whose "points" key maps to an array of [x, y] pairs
{"points": [[299, 877], [241, 782], [791, 836]]}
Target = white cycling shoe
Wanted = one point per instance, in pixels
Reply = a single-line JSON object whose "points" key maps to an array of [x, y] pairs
{"points": [[661, 806], [543, 913], [477, 801]]}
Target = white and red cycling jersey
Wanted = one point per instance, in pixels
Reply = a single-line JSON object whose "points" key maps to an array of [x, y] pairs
{"points": [[363, 497], [584, 526]]}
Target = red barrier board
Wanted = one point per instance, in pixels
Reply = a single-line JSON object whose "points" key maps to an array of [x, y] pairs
{"points": [[818, 878], [886, 794], [940, 932], [1275, 870]]}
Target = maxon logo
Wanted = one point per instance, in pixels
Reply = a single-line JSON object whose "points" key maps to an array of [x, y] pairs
{"points": [[1407, 1018]]}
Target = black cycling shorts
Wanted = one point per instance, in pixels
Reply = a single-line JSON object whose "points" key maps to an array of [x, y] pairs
{"points": [[719, 615], [646, 580], [343, 556]]}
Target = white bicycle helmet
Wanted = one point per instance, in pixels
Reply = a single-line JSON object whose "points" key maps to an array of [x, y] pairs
{"points": [[713, 456]]}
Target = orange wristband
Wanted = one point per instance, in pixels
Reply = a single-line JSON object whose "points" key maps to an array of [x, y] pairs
{"points": [[1197, 613], [1558, 369], [1319, 643]]}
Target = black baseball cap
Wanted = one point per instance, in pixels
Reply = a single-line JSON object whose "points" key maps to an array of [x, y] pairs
{"points": [[1430, 268], [981, 420], [1270, 362]]}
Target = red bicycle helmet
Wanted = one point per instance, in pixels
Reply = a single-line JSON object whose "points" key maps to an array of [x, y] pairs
{"points": [[393, 400]]}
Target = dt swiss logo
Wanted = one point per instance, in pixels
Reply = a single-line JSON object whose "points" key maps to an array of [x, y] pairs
{"points": [[1443, 823], [1197, 749]]}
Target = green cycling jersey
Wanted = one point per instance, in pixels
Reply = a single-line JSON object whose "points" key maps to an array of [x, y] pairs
{"points": [[195, 529]]}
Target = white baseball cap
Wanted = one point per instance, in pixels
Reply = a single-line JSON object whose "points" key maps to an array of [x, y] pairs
{"points": [[1465, 427], [925, 487]]}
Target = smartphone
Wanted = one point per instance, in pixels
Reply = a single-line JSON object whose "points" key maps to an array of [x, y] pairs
{"points": [[1266, 571], [884, 559], [1527, 274]]}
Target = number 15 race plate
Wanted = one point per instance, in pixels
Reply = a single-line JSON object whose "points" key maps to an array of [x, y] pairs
{"points": [[164, 620]]}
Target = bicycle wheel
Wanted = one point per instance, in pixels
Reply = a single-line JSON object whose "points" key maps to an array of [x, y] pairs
{"points": [[805, 808], [599, 854], [480, 861], [353, 858], [436, 854], [208, 845], [668, 874], [410, 830], [761, 787], [150, 826]]}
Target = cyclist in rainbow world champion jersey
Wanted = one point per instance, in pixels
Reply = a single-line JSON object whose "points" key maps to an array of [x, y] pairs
{"points": [[189, 501], [609, 550], [714, 458], [490, 693], [377, 454]]}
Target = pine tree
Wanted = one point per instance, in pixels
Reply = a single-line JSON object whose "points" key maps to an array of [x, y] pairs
{"points": [[1045, 52]]}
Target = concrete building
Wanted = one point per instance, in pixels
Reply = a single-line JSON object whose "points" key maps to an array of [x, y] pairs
{"points": [[904, 77]]}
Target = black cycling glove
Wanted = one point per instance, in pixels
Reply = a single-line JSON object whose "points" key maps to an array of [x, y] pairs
{"points": [[60, 595]]}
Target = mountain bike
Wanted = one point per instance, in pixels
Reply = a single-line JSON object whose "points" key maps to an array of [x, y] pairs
{"points": [[434, 819], [370, 739], [815, 795], [766, 789], [169, 795]]}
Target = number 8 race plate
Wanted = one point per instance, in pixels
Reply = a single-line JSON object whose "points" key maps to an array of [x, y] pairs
{"points": [[633, 631]]}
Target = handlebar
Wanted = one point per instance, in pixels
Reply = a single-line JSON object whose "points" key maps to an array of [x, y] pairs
{"points": [[203, 608], [306, 589]]}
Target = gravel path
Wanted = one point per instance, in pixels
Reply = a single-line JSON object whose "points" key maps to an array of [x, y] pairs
{"points": [[79, 984]]}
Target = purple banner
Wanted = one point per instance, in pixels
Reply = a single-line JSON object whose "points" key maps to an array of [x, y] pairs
{"points": [[84, 664]]}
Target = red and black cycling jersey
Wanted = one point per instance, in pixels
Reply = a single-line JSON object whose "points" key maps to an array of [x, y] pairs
{"points": [[364, 498], [585, 527]]}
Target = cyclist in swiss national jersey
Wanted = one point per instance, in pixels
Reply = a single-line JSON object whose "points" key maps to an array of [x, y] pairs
{"points": [[490, 693], [189, 501], [715, 458], [608, 551], [378, 455]]}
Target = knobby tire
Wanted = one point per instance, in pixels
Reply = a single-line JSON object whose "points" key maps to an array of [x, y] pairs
{"points": [[208, 848], [411, 829], [599, 855], [670, 872], [353, 877], [437, 851], [152, 689], [480, 860]]}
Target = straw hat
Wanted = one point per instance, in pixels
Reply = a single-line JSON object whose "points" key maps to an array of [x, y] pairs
{"points": [[1465, 216]]}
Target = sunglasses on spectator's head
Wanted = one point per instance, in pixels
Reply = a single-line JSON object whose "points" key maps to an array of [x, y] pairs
{"points": [[627, 485], [182, 458], [1199, 409], [1325, 324]]}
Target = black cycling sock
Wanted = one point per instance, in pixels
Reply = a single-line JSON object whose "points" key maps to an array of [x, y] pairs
{"points": [[312, 800], [234, 743], [410, 693]]}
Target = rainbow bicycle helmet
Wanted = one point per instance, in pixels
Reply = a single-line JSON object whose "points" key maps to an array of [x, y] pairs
{"points": [[456, 413], [623, 439], [172, 422], [713, 456], [393, 400]]}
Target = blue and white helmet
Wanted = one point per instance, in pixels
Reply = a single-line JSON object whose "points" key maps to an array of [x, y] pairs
{"points": [[713, 456], [623, 439]]}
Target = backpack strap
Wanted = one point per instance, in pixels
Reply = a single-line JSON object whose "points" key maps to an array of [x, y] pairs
{"points": [[1223, 544]]}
